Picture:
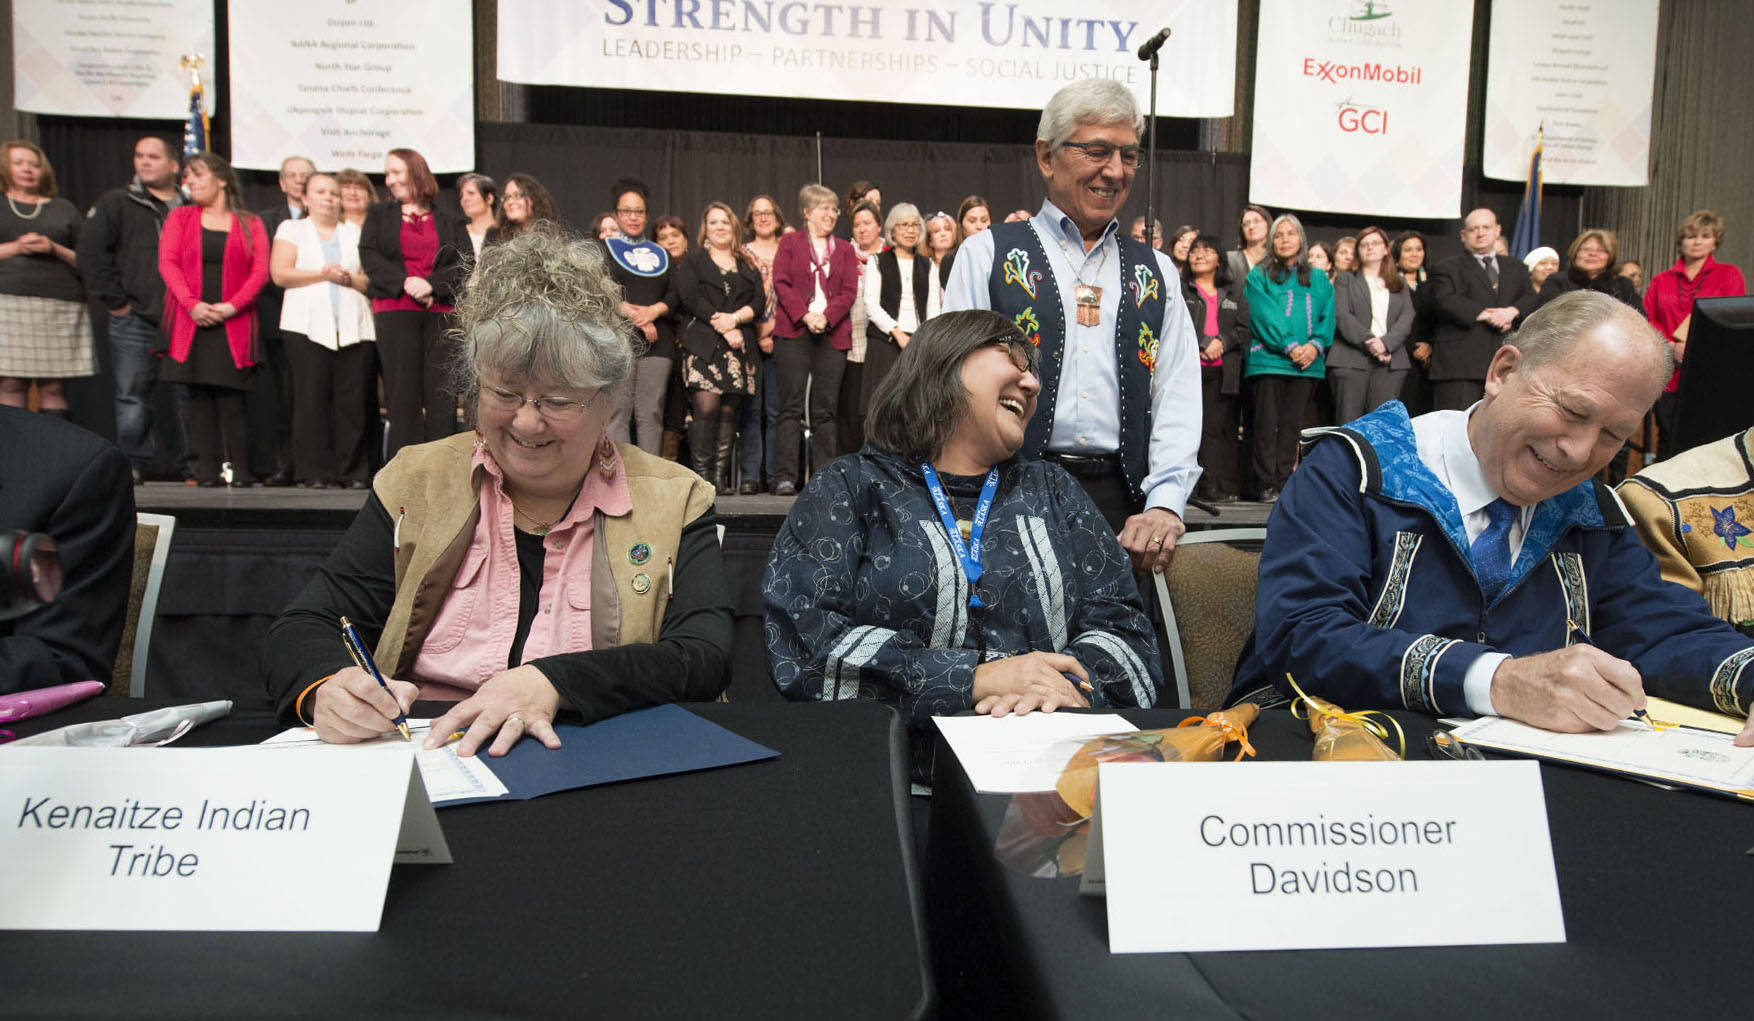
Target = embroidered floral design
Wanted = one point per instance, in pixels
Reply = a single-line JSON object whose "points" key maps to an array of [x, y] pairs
{"points": [[1017, 271], [1725, 526], [1030, 326], [1144, 286], [1147, 348]]}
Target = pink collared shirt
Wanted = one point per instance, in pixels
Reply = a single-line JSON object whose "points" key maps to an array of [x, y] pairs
{"points": [[472, 635]]}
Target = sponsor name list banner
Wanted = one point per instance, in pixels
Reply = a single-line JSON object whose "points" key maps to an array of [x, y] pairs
{"points": [[1361, 109], [1583, 69], [344, 83], [953, 53], [108, 58]]}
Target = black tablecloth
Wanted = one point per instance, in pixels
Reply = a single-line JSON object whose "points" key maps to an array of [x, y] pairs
{"points": [[1656, 886], [783, 888]]}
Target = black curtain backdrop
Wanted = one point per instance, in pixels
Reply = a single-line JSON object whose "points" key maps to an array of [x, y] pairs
{"points": [[686, 169]]}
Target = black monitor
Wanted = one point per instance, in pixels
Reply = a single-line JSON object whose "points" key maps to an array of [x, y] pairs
{"points": [[1717, 379]]}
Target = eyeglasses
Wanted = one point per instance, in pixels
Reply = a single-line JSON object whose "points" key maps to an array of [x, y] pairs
{"points": [[630, 212], [1102, 152], [555, 409], [1022, 352]]}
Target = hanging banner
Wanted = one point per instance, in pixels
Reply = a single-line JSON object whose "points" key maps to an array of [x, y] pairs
{"points": [[1584, 69], [954, 53], [108, 58], [343, 83], [1361, 106]]}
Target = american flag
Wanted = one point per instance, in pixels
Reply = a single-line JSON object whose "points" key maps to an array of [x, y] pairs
{"points": [[195, 131]]}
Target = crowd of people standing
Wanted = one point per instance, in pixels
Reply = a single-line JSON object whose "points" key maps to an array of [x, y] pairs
{"points": [[752, 334]]}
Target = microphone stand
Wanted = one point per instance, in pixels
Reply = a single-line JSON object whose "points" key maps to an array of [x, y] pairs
{"points": [[1149, 53], [1151, 159]]}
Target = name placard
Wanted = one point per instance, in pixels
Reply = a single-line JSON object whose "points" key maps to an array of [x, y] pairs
{"points": [[1305, 855], [207, 839]]}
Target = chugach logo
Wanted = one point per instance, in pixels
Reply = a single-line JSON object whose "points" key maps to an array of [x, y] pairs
{"points": [[1368, 19]]}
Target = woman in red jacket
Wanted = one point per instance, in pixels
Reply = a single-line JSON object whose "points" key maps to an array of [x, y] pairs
{"points": [[1668, 304], [214, 259], [815, 279]]}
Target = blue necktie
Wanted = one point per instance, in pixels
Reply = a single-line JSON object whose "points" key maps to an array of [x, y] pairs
{"points": [[1491, 549]]}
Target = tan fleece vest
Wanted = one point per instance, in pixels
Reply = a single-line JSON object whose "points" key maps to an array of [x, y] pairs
{"points": [[433, 500]]}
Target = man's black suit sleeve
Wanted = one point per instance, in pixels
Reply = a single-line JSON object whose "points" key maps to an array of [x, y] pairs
{"points": [[75, 637]]}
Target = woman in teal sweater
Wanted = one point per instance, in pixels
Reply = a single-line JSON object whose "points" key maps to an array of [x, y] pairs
{"points": [[1291, 311]]}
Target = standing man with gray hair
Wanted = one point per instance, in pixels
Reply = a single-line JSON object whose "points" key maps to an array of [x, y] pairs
{"points": [[1464, 562], [1120, 399]]}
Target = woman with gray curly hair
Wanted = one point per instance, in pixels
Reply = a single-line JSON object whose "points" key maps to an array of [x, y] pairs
{"points": [[609, 555]]}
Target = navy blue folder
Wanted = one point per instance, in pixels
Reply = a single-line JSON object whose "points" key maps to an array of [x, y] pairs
{"points": [[658, 741]]}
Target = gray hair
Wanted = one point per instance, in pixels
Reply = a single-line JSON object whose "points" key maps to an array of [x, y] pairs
{"points": [[812, 195], [1100, 101], [1553, 328], [897, 213], [542, 307], [918, 405], [1277, 268]]}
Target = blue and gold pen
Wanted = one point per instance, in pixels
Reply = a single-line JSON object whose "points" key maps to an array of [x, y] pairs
{"points": [[363, 660]]}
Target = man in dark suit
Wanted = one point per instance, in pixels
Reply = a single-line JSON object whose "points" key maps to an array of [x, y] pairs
{"points": [[1477, 298], [270, 403], [60, 480]]}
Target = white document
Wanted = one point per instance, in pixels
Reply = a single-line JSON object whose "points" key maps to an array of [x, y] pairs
{"points": [[1699, 758], [209, 839], [1203, 856], [1022, 754], [447, 775]]}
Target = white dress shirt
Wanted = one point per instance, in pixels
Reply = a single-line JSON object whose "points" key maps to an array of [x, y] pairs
{"points": [[1087, 418], [1442, 438]]}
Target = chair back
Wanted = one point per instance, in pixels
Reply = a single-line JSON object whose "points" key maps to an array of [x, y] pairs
{"points": [[152, 547], [1208, 599]]}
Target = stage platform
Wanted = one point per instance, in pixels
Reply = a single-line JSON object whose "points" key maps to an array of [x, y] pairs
{"points": [[239, 556]]}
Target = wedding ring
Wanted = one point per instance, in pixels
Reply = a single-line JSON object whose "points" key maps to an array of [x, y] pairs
{"points": [[514, 719], [1157, 540]]}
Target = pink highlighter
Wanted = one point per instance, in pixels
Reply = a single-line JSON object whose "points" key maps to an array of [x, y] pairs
{"points": [[22, 705]]}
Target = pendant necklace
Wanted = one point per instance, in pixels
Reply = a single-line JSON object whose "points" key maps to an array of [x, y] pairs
{"points": [[33, 214], [1086, 297], [541, 527]]}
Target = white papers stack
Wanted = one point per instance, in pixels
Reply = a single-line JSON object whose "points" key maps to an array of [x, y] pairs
{"points": [[447, 775], [1693, 758], [1022, 754]]}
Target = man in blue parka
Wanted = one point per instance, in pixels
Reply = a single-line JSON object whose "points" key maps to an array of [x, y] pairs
{"points": [[1463, 563]]}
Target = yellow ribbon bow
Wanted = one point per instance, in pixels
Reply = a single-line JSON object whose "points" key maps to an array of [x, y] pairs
{"points": [[1361, 717]]}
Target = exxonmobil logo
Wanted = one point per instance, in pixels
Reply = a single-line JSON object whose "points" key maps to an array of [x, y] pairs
{"points": [[1367, 71]]}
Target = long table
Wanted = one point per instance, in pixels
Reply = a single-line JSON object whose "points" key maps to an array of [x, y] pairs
{"points": [[784, 888], [1657, 890]]}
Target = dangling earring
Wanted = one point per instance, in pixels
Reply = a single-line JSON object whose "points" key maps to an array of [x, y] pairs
{"points": [[606, 458]]}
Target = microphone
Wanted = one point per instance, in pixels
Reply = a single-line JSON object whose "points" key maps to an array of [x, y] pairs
{"points": [[1153, 44]]}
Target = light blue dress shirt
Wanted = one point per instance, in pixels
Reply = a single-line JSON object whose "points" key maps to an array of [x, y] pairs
{"points": [[1087, 420]]}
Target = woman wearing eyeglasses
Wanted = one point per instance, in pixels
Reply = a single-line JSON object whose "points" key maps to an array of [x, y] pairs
{"points": [[897, 291], [531, 571], [937, 571]]}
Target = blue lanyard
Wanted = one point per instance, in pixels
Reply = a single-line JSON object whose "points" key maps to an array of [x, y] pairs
{"points": [[969, 553]]}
